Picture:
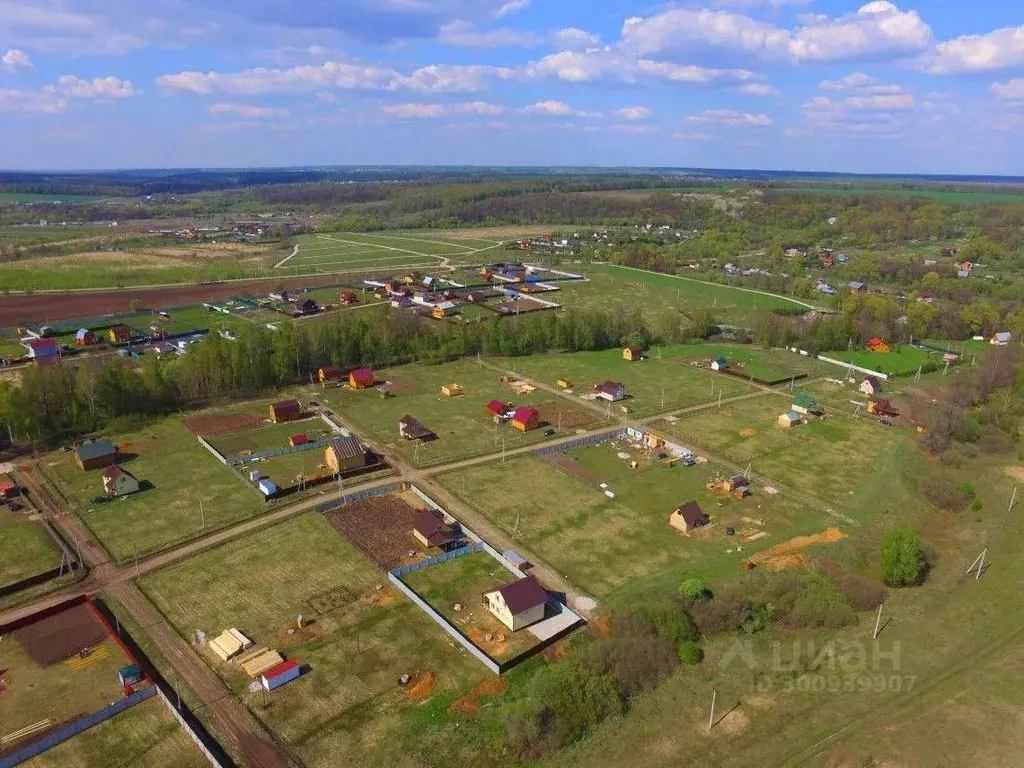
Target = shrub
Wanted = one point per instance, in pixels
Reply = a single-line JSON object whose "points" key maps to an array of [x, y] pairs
{"points": [[723, 612], [667, 618], [945, 494], [995, 442], [862, 594], [902, 558], [818, 604], [634, 655], [692, 589], [690, 653]]}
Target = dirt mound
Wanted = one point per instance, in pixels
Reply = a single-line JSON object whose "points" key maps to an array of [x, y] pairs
{"points": [[470, 703], [782, 552], [1017, 473], [785, 562], [422, 687], [748, 432], [602, 626], [225, 424], [492, 647]]}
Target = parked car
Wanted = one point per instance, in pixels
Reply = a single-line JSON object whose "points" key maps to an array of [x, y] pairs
{"points": [[549, 432]]}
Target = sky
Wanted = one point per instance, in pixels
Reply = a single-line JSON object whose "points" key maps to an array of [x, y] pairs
{"points": [[928, 86]]}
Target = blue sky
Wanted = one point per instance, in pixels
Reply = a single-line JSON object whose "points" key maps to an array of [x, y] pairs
{"points": [[926, 86]]}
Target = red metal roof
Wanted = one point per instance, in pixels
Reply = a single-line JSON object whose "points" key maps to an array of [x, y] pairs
{"points": [[42, 343], [298, 439], [280, 669], [495, 407], [524, 414], [363, 376], [523, 595]]}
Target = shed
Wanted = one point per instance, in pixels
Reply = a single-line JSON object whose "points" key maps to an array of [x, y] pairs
{"points": [[857, 286], [118, 482], [331, 373], [720, 364], [129, 675], [285, 410], [452, 390], [790, 419], [120, 334], [518, 604], [432, 530], [348, 297], [870, 386], [296, 440], [38, 348], [308, 307], [345, 454], [877, 344], [497, 408], [8, 488], [283, 673], [610, 390], [267, 488], [806, 405], [525, 418], [632, 354], [517, 560], [879, 406], [84, 337], [361, 378], [411, 429], [96, 455], [1001, 339], [687, 517]]}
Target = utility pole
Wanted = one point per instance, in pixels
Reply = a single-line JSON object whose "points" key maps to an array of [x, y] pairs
{"points": [[878, 622], [711, 720], [979, 563], [202, 513]]}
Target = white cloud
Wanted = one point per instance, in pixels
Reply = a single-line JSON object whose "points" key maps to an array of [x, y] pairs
{"points": [[1011, 91], [852, 80], [510, 7], [53, 28], [557, 109], [880, 102], [250, 111], [574, 38], [337, 75], [730, 117], [479, 108], [635, 129], [999, 49], [634, 113], [878, 29], [15, 59], [414, 110], [757, 3], [104, 88], [31, 102], [466, 35], [607, 64], [692, 136], [760, 89]]}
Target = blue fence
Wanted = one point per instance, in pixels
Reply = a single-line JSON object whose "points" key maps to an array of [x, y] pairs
{"points": [[405, 570], [368, 493], [285, 451], [76, 727], [581, 442]]}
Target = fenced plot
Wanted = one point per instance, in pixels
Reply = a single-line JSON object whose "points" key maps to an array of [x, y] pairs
{"points": [[27, 548], [217, 425], [61, 636], [381, 528]]}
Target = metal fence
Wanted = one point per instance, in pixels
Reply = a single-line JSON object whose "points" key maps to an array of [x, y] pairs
{"points": [[848, 365], [581, 442], [405, 570], [186, 723], [350, 498], [216, 454], [234, 461], [76, 727]]}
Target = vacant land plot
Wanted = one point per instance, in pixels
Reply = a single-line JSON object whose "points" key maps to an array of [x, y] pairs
{"points": [[352, 251], [26, 546], [179, 475], [191, 319], [462, 582], [270, 437], [462, 424], [652, 386], [348, 702], [147, 734], [603, 543], [763, 364], [380, 528], [900, 362], [659, 296]]}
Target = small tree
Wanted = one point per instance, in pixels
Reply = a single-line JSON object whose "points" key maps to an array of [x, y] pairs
{"points": [[690, 653], [135, 305], [901, 557], [692, 589]]}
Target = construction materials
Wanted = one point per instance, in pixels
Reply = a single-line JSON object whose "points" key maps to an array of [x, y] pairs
{"points": [[261, 662]]}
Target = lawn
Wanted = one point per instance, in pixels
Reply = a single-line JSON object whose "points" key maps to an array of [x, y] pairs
{"points": [[343, 250], [348, 701], [462, 424], [652, 386], [463, 581], [964, 197], [31, 197], [661, 296], [191, 319], [182, 474], [603, 544], [901, 361], [27, 548], [56, 692], [271, 437], [145, 735], [765, 364]]}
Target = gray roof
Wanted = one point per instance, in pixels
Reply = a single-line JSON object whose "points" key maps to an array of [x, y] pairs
{"points": [[95, 450], [347, 447]]}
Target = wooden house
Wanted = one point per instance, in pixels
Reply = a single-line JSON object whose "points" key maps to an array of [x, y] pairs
{"points": [[519, 604], [344, 455], [870, 386], [285, 410], [452, 390], [411, 429], [84, 337], [806, 405], [329, 373], [632, 354], [524, 419], [789, 419], [361, 378], [432, 530], [687, 517], [879, 406], [877, 344], [96, 455], [119, 334], [117, 482]]}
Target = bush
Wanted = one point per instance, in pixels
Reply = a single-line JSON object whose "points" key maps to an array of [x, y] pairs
{"points": [[862, 594], [723, 612], [634, 655], [946, 494], [995, 442], [692, 589], [818, 604], [667, 618], [690, 653], [902, 558]]}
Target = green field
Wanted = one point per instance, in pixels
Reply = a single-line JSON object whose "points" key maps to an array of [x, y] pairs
{"points": [[462, 424], [966, 197], [464, 581], [191, 319], [347, 708], [182, 474], [28, 197], [145, 735], [901, 361], [57, 692], [270, 437], [652, 386], [331, 252], [27, 547], [604, 544]]}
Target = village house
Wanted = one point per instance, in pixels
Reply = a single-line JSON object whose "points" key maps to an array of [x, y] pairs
{"points": [[96, 455], [329, 373], [1001, 339], [806, 405], [879, 406], [870, 386], [285, 410], [117, 482], [40, 348], [524, 419], [720, 364], [877, 344], [348, 297], [120, 334], [344, 455], [361, 378], [519, 604], [789, 419], [632, 354], [687, 517], [8, 488], [612, 391], [432, 530], [411, 429], [926, 298], [857, 287], [84, 337], [497, 408]]}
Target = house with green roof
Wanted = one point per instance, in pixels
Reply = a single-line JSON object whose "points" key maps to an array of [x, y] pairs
{"points": [[806, 405]]}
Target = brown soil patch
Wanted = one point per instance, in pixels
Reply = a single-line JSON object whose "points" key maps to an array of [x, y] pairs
{"points": [[300, 636], [555, 652], [748, 431], [571, 467], [785, 562], [525, 305], [493, 647], [404, 387], [379, 527], [566, 416], [470, 703], [733, 723], [61, 636], [422, 687], [382, 597], [1017, 473], [602, 626], [225, 424], [794, 546]]}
